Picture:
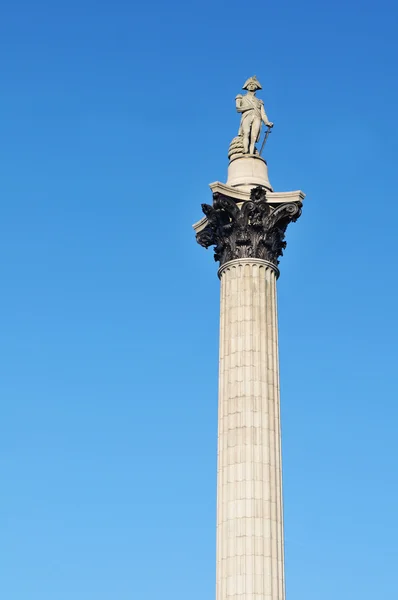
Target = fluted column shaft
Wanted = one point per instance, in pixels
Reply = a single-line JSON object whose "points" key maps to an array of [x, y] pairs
{"points": [[250, 557]]}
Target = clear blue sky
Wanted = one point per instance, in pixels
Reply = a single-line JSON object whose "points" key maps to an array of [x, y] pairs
{"points": [[115, 116]]}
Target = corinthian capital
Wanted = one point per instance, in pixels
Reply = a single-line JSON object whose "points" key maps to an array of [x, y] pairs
{"points": [[252, 229]]}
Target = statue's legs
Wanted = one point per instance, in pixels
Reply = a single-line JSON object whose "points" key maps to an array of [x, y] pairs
{"points": [[255, 134], [246, 129], [246, 140]]}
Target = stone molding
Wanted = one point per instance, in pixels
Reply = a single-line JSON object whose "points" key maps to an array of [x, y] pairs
{"points": [[240, 262], [252, 229], [240, 195]]}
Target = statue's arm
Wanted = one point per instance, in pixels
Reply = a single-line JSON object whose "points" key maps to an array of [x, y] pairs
{"points": [[264, 117], [238, 101]]}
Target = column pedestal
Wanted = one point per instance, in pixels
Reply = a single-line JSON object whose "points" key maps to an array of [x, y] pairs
{"points": [[246, 171]]}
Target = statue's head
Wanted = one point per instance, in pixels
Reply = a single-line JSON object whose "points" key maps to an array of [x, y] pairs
{"points": [[252, 84]]}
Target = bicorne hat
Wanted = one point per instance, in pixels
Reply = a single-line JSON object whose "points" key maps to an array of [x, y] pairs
{"points": [[252, 80]]}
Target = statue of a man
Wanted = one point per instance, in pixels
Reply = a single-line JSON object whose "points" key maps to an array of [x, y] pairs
{"points": [[253, 115]]}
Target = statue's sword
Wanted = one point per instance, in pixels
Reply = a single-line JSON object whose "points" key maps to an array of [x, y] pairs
{"points": [[265, 139]]}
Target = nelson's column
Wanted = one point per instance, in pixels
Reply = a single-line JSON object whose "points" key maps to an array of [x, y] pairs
{"points": [[246, 223]]}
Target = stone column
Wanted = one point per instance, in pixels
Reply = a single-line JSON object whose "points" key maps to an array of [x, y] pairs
{"points": [[249, 239], [249, 505]]}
